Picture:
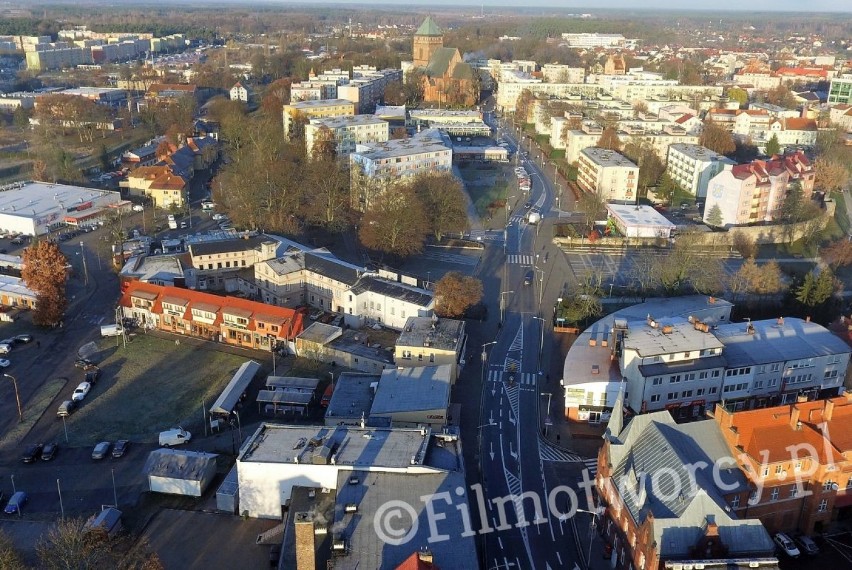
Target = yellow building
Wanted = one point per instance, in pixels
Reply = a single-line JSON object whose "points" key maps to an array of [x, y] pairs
{"points": [[305, 110], [430, 341]]}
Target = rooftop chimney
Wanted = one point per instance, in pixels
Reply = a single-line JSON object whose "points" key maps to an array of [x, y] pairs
{"points": [[828, 410], [306, 557], [425, 555], [794, 419]]}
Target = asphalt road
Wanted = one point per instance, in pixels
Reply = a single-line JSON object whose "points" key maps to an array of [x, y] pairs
{"points": [[517, 528]]}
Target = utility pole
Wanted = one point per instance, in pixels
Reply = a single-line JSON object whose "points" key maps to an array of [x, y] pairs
{"points": [[17, 397], [503, 304], [85, 271]]}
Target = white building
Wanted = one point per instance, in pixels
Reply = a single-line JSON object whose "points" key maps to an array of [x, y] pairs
{"points": [[34, 208], [180, 472], [593, 40], [692, 166], [556, 73], [347, 131], [640, 221], [608, 174], [240, 92], [278, 457]]}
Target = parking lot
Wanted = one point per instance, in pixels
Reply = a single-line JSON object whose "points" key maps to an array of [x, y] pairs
{"points": [[835, 552]]}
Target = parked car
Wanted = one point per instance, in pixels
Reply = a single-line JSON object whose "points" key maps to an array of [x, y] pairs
{"points": [[120, 447], [49, 451], [65, 408], [101, 450], [807, 545], [786, 545], [81, 391], [138, 207], [32, 452], [16, 503], [5, 347], [219, 217], [527, 205], [93, 375], [4, 363], [84, 363], [183, 225], [24, 338]]}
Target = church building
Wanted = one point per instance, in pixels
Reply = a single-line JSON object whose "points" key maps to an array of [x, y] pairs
{"points": [[447, 80]]}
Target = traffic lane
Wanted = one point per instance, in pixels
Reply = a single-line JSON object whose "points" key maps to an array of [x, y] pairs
{"points": [[85, 483]]}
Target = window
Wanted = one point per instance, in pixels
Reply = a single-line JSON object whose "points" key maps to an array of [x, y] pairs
{"points": [[657, 381], [686, 355], [672, 396], [699, 392], [775, 367], [794, 490], [656, 398], [827, 485], [420, 357], [779, 469], [774, 495], [823, 506], [766, 471], [773, 382], [735, 502], [798, 467], [674, 378], [690, 376], [687, 394], [713, 390], [702, 375], [758, 384], [431, 358], [753, 498], [717, 373]]}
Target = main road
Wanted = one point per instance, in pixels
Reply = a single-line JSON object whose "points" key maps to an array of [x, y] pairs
{"points": [[522, 525]]}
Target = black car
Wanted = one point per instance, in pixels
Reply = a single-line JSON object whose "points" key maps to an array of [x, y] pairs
{"points": [[49, 451], [528, 205], [32, 452], [84, 363], [24, 338], [92, 375], [120, 447]]}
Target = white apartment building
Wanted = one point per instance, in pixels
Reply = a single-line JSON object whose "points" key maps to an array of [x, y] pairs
{"points": [[347, 131], [587, 40], [316, 109], [692, 166], [577, 140], [557, 73], [609, 174], [313, 90], [239, 92], [840, 90], [747, 193]]}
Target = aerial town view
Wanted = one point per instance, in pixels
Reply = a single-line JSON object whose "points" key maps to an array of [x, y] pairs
{"points": [[333, 285]]}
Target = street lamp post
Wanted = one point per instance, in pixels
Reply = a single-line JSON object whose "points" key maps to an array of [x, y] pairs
{"points": [[547, 420], [503, 304], [17, 396], [541, 342], [507, 204], [540, 287], [484, 358], [592, 527]]}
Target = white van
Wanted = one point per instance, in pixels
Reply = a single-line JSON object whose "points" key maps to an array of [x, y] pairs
{"points": [[174, 436], [111, 330], [207, 206]]}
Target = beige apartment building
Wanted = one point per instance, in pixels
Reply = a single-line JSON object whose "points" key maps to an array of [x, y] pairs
{"points": [[608, 174], [747, 193], [315, 109], [163, 187], [217, 262], [430, 341], [347, 131]]}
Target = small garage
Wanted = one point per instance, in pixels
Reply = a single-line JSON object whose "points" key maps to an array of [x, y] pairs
{"points": [[639, 221], [177, 472]]}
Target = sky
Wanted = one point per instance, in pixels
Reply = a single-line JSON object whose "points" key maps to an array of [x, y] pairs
{"points": [[589, 6]]}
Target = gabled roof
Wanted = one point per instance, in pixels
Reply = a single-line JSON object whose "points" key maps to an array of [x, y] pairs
{"points": [[439, 63], [428, 28], [412, 295], [415, 562], [798, 124], [330, 266]]}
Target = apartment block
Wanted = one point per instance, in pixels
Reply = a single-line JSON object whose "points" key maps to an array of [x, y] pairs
{"points": [[592, 40], [747, 193], [316, 109], [347, 131], [692, 166], [218, 262], [840, 90], [556, 73], [430, 341], [368, 88], [58, 56], [608, 174]]}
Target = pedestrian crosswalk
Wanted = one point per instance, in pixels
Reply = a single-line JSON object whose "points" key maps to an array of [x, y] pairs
{"points": [[592, 466], [549, 453], [519, 259], [516, 218], [520, 378]]}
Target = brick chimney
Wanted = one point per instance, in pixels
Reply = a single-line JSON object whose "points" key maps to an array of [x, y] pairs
{"points": [[425, 555], [828, 410], [794, 417], [306, 554]]}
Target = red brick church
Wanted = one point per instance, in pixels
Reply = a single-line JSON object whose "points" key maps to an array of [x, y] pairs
{"points": [[447, 80]]}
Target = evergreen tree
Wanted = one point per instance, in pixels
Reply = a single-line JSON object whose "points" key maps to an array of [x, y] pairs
{"points": [[805, 292], [773, 147], [714, 216]]}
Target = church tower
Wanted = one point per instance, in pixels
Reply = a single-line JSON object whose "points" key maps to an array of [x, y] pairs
{"points": [[427, 39]]}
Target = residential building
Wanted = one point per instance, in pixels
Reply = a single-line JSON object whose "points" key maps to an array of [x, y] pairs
{"points": [[35, 208], [747, 193], [367, 88], [319, 279], [688, 518], [377, 164], [430, 341], [593, 40], [796, 458], [57, 55], [230, 320], [610, 175], [744, 124], [577, 140], [218, 262], [170, 270], [348, 132], [792, 133], [454, 122], [840, 90], [412, 397], [169, 92], [142, 156], [305, 110], [331, 344], [240, 92], [556, 73], [9, 102], [840, 115], [159, 184], [692, 167], [14, 292]]}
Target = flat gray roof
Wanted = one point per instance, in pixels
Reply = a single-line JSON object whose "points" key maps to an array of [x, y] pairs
{"points": [[292, 383], [350, 342], [364, 546], [649, 341], [633, 215], [605, 157], [350, 445], [443, 334], [352, 397], [412, 389], [38, 199], [698, 152], [313, 504], [347, 121], [429, 140], [178, 464], [774, 342], [320, 333], [320, 103]]}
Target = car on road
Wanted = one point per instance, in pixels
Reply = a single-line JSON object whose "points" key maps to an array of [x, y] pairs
{"points": [[219, 217], [528, 277], [807, 545], [93, 375], [24, 338], [183, 225], [120, 447], [16, 503], [84, 363], [66, 408], [138, 208], [528, 205], [4, 363], [32, 452], [5, 347], [101, 450], [226, 227], [49, 451], [81, 391], [786, 545]]}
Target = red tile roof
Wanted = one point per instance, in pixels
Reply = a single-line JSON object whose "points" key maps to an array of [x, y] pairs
{"points": [[414, 562], [797, 124], [291, 320]]}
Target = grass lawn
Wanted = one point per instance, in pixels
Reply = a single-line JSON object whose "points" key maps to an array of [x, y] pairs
{"points": [[484, 186], [151, 385], [33, 410]]}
